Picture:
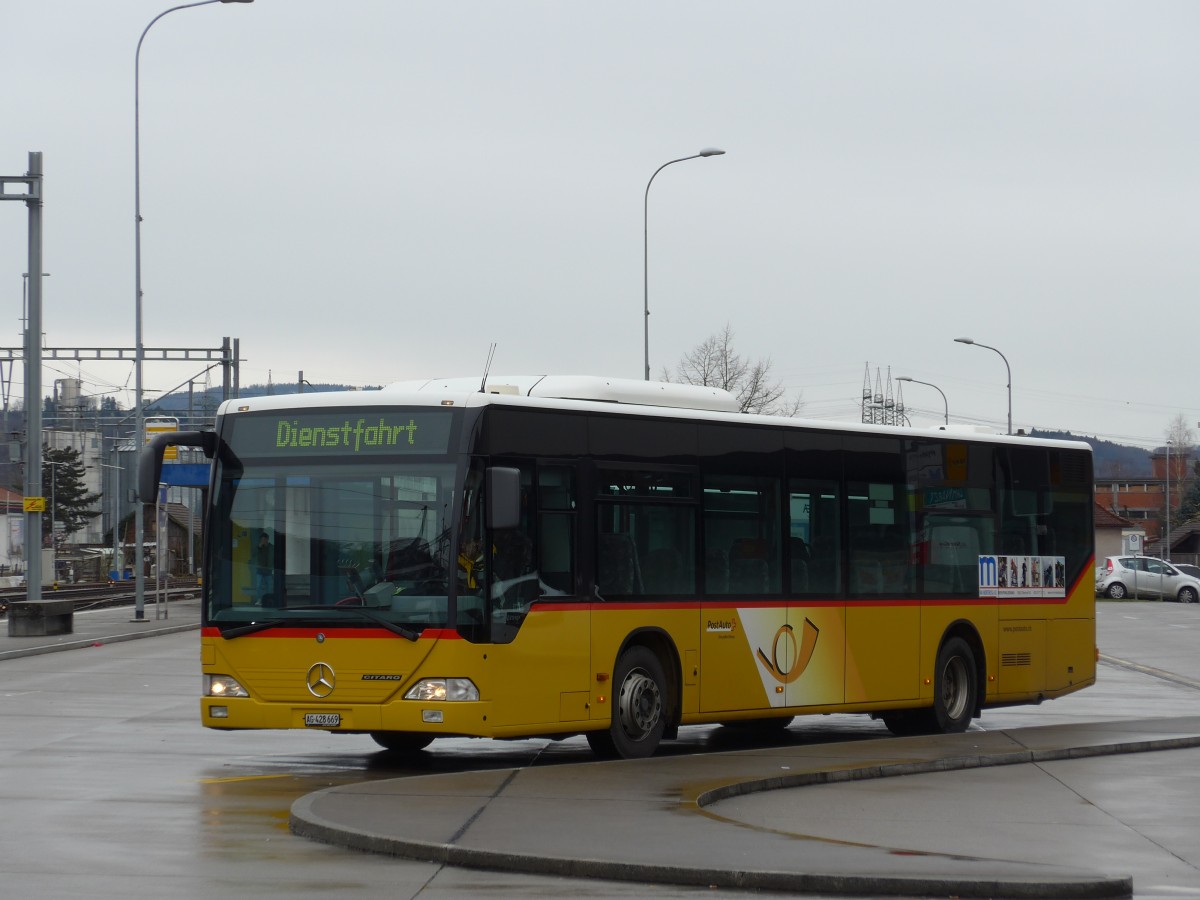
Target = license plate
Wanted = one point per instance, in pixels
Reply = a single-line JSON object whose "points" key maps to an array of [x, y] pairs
{"points": [[322, 720]]}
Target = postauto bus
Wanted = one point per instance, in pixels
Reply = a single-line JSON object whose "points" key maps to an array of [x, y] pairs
{"points": [[550, 556]]}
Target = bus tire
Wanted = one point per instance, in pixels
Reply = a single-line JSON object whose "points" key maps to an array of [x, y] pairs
{"points": [[402, 741], [955, 687], [771, 725], [908, 722], [639, 708]]}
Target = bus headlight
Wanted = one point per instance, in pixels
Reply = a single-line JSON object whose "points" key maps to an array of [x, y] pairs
{"points": [[223, 686], [449, 689]]}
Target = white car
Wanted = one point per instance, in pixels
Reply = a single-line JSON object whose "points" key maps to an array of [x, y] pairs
{"points": [[1144, 577]]}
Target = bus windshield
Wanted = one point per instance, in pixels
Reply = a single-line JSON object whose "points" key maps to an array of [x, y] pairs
{"points": [[291, 544]]}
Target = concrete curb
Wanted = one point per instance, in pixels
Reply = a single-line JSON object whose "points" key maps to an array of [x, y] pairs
{"points": [[305, 821], [99, 640]]}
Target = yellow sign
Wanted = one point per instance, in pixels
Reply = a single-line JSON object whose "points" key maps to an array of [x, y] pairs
{"points": [[35, 504]]}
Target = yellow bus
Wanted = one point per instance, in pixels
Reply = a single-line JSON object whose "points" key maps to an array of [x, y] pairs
{"points": [[552, 556]]}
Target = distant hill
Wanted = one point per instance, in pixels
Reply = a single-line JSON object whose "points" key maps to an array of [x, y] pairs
{"points": [[1109, 459], [178, 403]]}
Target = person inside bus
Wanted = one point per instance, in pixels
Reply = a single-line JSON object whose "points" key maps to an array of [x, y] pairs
{"points": [[264, 565]]}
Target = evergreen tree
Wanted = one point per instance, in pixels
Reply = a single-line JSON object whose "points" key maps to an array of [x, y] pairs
{"points": [[1189, 503], [62, 484]]}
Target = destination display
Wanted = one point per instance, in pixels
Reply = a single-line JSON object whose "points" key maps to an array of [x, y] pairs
{"points": [[357, 433]]}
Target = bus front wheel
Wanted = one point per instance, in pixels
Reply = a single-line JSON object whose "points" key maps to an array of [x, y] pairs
{"points": [[639, 715], [402, 741]]}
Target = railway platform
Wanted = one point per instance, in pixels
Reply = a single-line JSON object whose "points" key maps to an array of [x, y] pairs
{"points": [[107, 625]]}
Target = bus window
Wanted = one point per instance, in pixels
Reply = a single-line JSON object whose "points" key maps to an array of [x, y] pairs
{"points": [[814, 536], [646, 533], [741, 534], [556, 528], [880, 538]]}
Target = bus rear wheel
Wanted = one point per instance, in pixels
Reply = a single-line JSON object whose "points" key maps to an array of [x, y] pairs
{"points": [[955, 687], [402, 741], [639, 701]]}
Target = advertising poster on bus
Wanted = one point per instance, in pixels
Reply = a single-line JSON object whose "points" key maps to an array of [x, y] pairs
{"points": [[1021, 577]]}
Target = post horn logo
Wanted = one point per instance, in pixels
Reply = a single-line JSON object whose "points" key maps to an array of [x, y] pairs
{"points": [[795, 659], [321, 680]]}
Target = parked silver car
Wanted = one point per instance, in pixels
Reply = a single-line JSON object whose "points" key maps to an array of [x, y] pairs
{"points": [[1147, 578]]}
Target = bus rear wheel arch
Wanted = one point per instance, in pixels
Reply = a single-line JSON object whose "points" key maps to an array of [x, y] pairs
{"points": [[957, 678], [641, 707]]}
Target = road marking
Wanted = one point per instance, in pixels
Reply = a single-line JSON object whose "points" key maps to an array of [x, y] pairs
{"points": [[240, 778], [1149, 670]]}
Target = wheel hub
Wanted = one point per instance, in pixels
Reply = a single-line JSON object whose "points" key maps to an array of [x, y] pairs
{"points": [[640, 705]]}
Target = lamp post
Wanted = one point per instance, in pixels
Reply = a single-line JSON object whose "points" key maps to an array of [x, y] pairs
{"points": [[710, 151], [139, 351], [967, 340], [945, 404], [1167, 546]]}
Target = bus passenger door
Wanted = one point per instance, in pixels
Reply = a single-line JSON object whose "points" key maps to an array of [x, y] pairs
{"points": [[809, 656], [539, 627], [883, 621]]}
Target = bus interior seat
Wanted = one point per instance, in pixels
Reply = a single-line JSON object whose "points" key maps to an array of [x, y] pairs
{"points": [[716, 571], [662, 571], [749, 572], [879, 561], [800, 557], [823, 564], [618, 565]]}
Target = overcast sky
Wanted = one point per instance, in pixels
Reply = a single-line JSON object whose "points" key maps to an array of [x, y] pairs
{"points": [[376, 190]]}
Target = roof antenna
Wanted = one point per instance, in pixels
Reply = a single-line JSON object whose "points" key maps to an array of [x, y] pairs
{"points": [[487, 366]]}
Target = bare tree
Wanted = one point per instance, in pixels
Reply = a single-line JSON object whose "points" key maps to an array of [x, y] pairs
{"points": [[715, 363], [1181, 437]]}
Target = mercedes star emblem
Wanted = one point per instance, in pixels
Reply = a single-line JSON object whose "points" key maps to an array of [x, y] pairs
{"points": [[321, 680]]}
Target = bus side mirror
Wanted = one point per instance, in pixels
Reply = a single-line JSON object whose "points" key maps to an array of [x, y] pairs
{"points": [[503, 487], [150, 461]]}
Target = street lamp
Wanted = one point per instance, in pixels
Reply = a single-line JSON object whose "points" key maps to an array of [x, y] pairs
{"points": [[139, 351], [710, 151], [935, 387], [967, 340]]}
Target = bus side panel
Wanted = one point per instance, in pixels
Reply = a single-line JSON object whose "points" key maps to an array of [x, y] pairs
{"points": [[816, 673], [771, 656], [543, 674], [1022, 656], [882, 652], [1071, 654]]}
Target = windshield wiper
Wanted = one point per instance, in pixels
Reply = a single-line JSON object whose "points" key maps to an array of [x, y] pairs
{"points": [[250, 628], [406, 633], [254, 627]]}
